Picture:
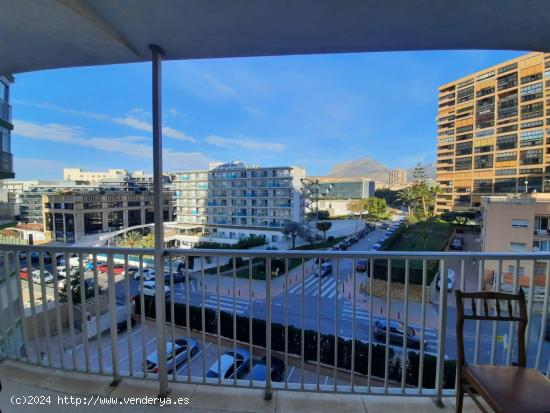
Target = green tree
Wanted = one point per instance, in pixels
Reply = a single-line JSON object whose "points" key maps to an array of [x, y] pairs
{"points": [[293, 230], [358, 206], [376, 206], [389, 195], [324, 226], [75, 289], [407, 197], [425, 192]]}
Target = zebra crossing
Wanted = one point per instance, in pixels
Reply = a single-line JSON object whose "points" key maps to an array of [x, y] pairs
{"points": [[226, 304], [310, 287]]}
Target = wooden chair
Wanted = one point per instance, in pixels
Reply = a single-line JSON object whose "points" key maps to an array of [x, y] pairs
{"points": [[506, 389]]}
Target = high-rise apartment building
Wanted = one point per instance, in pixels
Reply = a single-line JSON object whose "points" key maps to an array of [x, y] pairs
{"points": [[234, 200], [397, 178], [6, 158], [491, 133]]}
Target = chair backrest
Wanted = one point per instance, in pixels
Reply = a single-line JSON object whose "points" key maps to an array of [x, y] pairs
{"points": [[509, 313]]}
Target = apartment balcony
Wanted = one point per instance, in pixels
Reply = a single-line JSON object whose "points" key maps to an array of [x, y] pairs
{"points": [[293, 319]]}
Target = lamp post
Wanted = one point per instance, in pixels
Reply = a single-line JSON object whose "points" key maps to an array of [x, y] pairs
{"points": [[526, 185]]}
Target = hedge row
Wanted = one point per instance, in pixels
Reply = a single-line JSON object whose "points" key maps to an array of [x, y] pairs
{"points": [[398, 270], [310, 344]]}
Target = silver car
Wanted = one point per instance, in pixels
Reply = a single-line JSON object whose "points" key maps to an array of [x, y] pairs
{"points": [[180, 350]]}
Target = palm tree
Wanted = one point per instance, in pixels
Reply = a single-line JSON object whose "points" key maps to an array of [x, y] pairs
{"points": [[132, 239], [407, 196]]}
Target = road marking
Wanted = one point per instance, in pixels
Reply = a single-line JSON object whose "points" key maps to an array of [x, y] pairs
{"points": [[290, 374]]}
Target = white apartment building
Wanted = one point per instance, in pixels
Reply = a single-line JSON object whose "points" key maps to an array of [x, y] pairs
{"points": [[234, 200], [78, 174]]}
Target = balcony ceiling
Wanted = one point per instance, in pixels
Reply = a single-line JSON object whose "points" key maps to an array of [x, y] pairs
{"points": [[48, 34]]}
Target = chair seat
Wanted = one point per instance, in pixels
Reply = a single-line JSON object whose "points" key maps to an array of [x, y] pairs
{"points": [[510, 389]]}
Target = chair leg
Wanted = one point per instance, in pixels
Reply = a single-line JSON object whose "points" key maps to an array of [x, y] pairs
{"points": [[459, 396]]}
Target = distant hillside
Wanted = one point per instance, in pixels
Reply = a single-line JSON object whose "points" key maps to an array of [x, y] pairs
{"points": [[372, 169]]}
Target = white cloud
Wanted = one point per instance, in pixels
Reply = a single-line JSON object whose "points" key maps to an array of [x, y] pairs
{"points": [[131, 121], [129, 145], [245, 143]]}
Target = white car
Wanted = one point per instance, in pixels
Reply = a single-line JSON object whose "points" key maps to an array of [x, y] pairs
{"points": [[147, 274], [62, 271], [48, 277], [149, 289], [450, 280]]}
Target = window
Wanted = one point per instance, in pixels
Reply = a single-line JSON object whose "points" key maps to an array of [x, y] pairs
{"points": [[464, 137], [505, 185], [512, 269], [483, 161], [531, 92], [531, 78], [92, 205], [463, 163], [465, 83], [462, 129], [533, 110], [501, 172], [534, 124], [483, 185], [485, 91], [464, 95], [483, 149], [520, 223], [505, 129], [506, 142], [486, 75], [518, 246], [507, 68], [530, 157], [134, 203], [530, 171], [508, 81], [531, 138], [463, 148], [485, 133]]}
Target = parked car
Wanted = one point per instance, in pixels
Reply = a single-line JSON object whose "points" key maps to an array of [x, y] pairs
{"points": [[225, 366], [132, 270], [149, 275], [259, 370], [182, 351], [123, 324], [149, 289], [117, 268], [48, 277], [396, 333], [457, 243], [376, 246], [62, 271], [362, 265], [320, 260], [323, 270], [450, 280]]}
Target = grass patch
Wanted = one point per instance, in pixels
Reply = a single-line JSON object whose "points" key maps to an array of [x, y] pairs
{"points": [[422, 236]]}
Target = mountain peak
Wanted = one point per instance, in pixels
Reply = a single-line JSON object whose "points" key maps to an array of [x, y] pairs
{"points": [[372, 169]]}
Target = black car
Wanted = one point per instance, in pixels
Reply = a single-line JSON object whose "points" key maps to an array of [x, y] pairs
{"points": [[259, 369], [123, 325], [178, 278], [396, 333]]}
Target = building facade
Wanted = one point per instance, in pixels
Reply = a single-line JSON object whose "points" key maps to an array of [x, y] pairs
{"points": [[491, 133], [397, 178], [336, 192], [70, 216], [6, 157], [234, 200], [519, 223]]}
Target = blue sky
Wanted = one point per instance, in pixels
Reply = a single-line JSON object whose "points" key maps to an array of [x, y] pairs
{"points": [[309, 111]]}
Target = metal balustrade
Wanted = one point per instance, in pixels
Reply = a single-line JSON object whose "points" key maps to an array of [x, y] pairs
{"points": [[327, 331]]}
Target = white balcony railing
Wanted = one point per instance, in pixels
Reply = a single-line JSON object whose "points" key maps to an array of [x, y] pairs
{"points": [[315, 333]]}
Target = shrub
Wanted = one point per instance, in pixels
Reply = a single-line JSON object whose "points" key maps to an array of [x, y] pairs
{"points": [[330, 239]]}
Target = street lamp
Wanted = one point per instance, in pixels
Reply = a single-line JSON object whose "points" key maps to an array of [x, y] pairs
{"points": [[526, 185]]}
